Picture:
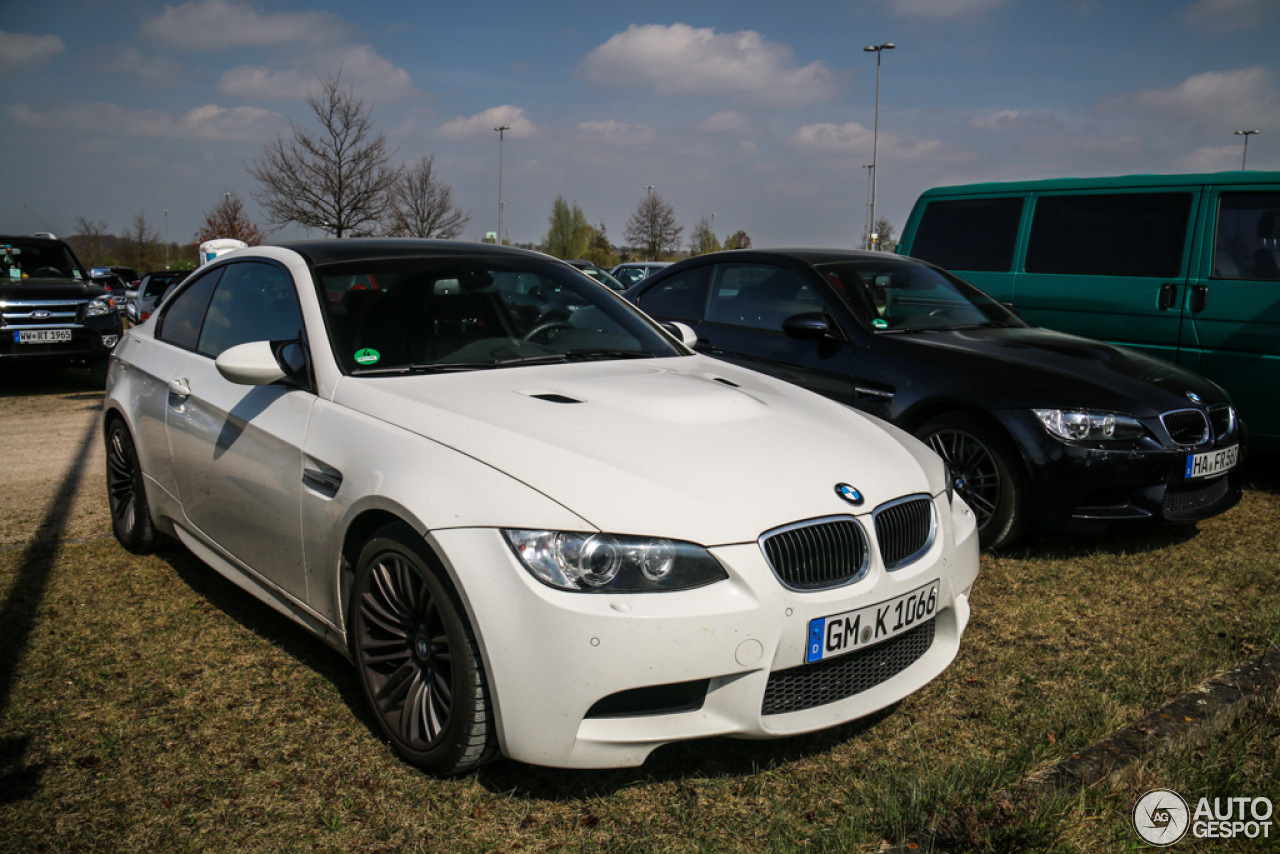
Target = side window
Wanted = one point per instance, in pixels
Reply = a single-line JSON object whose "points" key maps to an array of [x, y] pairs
{"points": [[1247, 242], [683, 295], [969, 234], [254, 301], [1134, 234], [181, 321], [758, 296]]}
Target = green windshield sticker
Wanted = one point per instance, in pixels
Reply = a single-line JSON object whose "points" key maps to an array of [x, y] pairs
{"points": [[878, 323], [368, 357]]}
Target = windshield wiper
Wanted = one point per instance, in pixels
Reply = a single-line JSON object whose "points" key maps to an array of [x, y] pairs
{"points": [[586, 355], [424, 368]]}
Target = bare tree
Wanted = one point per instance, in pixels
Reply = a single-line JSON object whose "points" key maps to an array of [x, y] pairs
{"points": [[703, 239], [422, 205], [228, 220], [652, 228], [91, 245], [140, 242], [738, 240], [884, 232], [338, 179]]}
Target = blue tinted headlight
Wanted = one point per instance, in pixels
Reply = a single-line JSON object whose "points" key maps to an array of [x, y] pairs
{"points": [[1085, 426]]}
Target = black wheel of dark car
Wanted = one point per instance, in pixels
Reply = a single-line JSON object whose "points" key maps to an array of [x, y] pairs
{"points": [[983, 473], [543, 328], [98, 372], [130, 516], [417, 656]]}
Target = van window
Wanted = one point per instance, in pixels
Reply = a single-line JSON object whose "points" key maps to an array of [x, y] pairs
{"points": [[1247, 245], [1133, 234], [969, 234]]}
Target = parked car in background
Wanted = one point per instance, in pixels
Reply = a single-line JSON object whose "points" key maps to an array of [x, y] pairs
{"points": [[50, 309], [1184, 267], [633, 271], [141, 301], [569, 539], [1042, 430], [113, 283], [600, 274]]}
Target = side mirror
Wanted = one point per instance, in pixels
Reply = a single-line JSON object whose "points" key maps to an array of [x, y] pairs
{"points": [[810, 326], [684, 334], [254, 363]]}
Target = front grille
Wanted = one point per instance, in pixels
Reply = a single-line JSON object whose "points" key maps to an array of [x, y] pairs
{"points": [[61, 313], [817, 554], [1186, 426], [812, 685], [1188, 503], [1223, 419], [905, 529]]}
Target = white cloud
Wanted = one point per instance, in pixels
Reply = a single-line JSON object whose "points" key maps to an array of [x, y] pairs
{"points": [[484, 123], [209, 122], [850, 139], [220, 24], [682, 60], [1213, 158], [1015, 120], [360, 65], [617, 133], [942, 8], [1220, 16], [26, 52], [147, 70], [728, 121], [1247, 96]]}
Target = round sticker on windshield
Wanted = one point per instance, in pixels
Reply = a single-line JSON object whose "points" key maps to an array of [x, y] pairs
{"points": [[880, 323], [368, 357]]}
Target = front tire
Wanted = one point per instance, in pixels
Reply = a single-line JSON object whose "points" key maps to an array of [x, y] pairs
{"points": [[983, 468], [417, 656], [130, 514]]}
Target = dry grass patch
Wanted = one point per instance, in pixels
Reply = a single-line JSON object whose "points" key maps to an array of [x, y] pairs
{"points": [[155, 707]]}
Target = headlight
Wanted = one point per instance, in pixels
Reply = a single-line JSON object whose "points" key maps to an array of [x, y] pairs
{"points": [[1085, 426], [99, 307], [608, 563]]}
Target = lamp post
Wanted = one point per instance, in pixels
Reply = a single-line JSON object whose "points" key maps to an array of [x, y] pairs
{"points": [[878, 49], [166, 238], [500, 129], [866, 235], [1246, 134]]}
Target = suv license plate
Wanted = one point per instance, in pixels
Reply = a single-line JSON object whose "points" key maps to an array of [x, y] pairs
{"points": [[1212, 462], [41, 336], [844, 633]]}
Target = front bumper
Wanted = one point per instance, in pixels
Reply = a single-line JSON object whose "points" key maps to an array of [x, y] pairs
{"points": [[569, 672], [1085, 488]]}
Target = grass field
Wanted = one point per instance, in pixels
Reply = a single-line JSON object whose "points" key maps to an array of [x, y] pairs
{"points": [[147, 705]]}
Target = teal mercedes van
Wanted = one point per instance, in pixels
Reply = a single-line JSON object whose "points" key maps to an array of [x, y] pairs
{"points": [[1184, 267]]}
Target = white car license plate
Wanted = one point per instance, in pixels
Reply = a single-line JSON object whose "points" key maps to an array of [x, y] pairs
{"points": [[1212, 462], [844, 633], [41, 336]]}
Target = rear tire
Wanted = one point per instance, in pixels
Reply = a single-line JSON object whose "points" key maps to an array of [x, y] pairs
{"points": [[984, 472], [417, 656], [98, 372], [130, 514]]}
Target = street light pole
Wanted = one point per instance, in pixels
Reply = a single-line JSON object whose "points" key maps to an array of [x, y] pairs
{"points": [[878, 49], [500, 129], [866, 235], [1246, 134], [166, 238]]}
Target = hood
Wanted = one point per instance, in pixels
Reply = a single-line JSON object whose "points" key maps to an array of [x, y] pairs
{"points": [[686, 447], [1039, 368], [49, 289]]}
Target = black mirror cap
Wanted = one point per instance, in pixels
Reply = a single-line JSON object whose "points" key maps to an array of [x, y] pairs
{"points": [[811, 325]]}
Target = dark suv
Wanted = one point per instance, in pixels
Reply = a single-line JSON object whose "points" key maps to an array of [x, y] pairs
{"points": [[49, 308]]}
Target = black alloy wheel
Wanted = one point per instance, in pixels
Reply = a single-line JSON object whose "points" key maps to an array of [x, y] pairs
{"points": [[982, 474], [130, 516], [417, 656]]}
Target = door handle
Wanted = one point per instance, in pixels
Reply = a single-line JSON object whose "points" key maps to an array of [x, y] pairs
{"points": [[179, 388], [1168, 297], [1199, 297]]}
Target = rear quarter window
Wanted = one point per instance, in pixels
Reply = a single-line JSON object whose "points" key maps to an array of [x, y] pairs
{"points": [[1129, 234], [969, 234]]}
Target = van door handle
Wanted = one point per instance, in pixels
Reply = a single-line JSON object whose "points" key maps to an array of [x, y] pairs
{"points": [[1199, 297], [1168, 297]]}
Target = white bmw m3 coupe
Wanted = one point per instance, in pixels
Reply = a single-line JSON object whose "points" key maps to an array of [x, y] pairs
{"points": [[536, 521]]}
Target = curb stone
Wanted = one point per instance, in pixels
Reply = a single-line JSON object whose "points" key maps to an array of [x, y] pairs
{"points": [[1207, 708]]}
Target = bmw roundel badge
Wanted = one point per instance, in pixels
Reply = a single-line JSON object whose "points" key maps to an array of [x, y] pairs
{"points": [[849, 494], [1193, 397]]}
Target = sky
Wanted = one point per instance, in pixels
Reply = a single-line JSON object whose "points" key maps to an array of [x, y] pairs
{"points": [[759, 114]]}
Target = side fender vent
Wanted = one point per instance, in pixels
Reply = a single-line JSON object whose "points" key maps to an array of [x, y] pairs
{"points": [[551, 397]]}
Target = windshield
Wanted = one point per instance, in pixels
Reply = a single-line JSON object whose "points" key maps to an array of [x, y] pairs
{"points": [[23, 260], [433, 314], [900, 295]]}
